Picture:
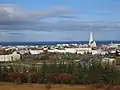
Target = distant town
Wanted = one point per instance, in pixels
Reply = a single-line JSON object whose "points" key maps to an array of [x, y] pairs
{"points": [[13, 53], [41, 63]]}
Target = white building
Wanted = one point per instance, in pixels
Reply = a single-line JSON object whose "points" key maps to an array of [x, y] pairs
{"points": [[92, 43], [80, 52], [111, 61], [36, 51], [94, 52], [70, 50], [10, 57], [23, 51]]}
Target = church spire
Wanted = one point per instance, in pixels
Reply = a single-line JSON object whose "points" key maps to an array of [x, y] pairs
{"points": [[92, 43]]}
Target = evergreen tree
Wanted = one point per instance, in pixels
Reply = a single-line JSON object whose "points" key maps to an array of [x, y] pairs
{"points": [[11, 69], [69, 68], [44, 73]]}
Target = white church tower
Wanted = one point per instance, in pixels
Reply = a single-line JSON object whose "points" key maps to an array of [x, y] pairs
{"points": [[92, 43]]}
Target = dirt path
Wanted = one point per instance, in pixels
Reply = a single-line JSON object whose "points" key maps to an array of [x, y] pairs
{"points": [[9, 86]]}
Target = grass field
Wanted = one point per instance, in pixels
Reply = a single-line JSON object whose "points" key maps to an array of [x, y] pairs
{"points": [[9, 86]]}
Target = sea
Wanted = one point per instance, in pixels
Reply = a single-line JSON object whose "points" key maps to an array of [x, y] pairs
{"points": [[55, 42]]}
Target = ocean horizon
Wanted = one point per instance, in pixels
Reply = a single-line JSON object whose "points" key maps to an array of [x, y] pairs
{"points": [[56, 42]]}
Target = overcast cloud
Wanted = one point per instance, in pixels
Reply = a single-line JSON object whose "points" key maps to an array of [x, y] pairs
{"points": [[16, 22]]}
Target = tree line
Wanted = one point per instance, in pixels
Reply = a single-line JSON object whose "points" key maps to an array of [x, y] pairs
{"points": [[62, 73]]}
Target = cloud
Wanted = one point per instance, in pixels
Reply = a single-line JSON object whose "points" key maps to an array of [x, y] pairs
{"points": [[13, 17], [11, 14], [66, 25], [17, 23], [15, 33]]}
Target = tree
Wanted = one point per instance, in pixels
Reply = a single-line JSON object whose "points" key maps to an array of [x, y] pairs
{"points": [[44, 73]]}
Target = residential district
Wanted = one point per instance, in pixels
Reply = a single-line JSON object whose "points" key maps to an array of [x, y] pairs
{"points": [[61, 64], [59, 51]]}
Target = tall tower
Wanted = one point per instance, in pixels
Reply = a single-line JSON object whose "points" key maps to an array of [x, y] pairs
{"points": [[92, 43]]}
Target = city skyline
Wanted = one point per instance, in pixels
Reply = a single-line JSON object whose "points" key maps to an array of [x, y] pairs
{"points": [[59, 20]]}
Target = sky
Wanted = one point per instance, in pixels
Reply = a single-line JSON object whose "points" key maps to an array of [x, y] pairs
{"points": [[59, 20]]}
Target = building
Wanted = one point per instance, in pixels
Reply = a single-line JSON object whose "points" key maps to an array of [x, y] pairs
{"points": [[92, 43], [10, 57], [111, 61], [36, 51]]}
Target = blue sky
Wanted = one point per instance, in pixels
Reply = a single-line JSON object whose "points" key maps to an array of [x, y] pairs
{"points": [[59, 20]]}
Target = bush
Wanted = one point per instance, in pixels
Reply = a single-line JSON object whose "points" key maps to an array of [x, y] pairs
{"points": [[90, 73]]}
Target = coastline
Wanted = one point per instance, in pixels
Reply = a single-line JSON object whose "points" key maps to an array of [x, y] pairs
{"points": [[56, 42]]}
